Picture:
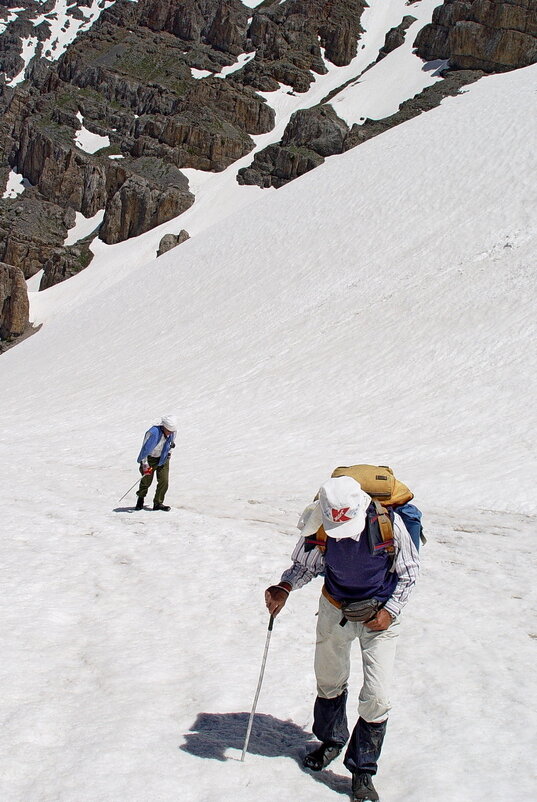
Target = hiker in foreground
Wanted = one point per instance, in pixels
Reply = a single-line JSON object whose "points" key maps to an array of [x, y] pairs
{"points": [[362, 598], [154, 457]]}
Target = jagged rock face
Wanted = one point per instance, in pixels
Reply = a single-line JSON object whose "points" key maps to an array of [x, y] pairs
{"points": [[64, 263], [170, 241], [310, 135], [288, 38], [220, 23], [61, 173], [318, 128], [489, 35], [395, 36], [30, 231], [14, 306], [275, 166], [139, 206]]}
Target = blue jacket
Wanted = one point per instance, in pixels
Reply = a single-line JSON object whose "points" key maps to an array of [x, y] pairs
{"points": [[155, 433]]}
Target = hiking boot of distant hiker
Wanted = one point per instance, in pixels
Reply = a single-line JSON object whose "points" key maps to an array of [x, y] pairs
{"points": [[140, 503], [320, 758], [363, 789], [161, 507]]}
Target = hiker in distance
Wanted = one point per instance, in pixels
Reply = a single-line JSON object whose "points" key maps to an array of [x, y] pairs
{"points": [[154, 457], [367, 582]]}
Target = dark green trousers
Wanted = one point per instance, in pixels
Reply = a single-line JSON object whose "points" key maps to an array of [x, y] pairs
{"points": [[162, 473]]}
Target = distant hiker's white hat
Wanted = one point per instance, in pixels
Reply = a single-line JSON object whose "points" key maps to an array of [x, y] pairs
{"points": [[343, 507], [169, 422]]}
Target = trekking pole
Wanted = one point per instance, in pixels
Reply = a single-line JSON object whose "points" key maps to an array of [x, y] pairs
{"points": [[129, 490], [256, 697]]}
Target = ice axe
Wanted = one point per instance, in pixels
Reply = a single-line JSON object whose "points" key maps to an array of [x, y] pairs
{"points": [[256, 697]]}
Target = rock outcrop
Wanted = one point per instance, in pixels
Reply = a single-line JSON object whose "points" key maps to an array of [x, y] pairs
{"points": [[312, 134], [219, 23], [170, 241], [288, 38], [140, 205], [14, 306], [395, 36], [31, 231], [64, 263], [488, 35]]}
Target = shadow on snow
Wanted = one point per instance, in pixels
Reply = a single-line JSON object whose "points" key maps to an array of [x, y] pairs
{"points": [[213, 733]]}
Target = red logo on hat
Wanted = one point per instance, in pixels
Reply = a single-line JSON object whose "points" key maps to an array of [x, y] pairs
{"points": [[339, 516]]}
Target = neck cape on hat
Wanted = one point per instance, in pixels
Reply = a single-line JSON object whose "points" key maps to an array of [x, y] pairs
{"points": [[341, 509]]}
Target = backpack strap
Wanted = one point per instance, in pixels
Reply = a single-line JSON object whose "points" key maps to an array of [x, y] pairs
{"points": [[317, 540], [382, 518]]}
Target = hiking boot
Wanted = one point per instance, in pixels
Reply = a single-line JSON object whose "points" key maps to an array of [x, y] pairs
{"points": [[140, 503], [363, 789], [320, 758], [161, 507]]}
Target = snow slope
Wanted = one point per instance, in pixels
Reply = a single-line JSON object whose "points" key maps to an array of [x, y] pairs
{"points": [[380, 309]]}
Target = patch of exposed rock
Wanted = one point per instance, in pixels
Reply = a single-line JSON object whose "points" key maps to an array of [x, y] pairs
{"points": [[30, 231], [396, 36], [488, 35], [64, 263], [14, 306], [148, 192], [288, 38], [220, 24], [170, 241], [312, 134]]}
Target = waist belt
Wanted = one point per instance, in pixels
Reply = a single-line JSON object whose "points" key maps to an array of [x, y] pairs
{"points": [[330, 598]]}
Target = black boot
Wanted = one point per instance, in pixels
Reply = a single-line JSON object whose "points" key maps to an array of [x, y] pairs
{"points": [[140, 503], [321, 757], [161, 507], [363, 789]]}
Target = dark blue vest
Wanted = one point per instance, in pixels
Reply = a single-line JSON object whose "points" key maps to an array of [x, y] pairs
{"points": [[353, 572]]}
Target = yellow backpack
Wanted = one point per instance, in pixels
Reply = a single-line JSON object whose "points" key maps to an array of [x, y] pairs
{"points": [[378, 482], [386, 491]]}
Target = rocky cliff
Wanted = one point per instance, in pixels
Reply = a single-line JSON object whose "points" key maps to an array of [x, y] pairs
{"points": [[489, 35], [107, 123]]}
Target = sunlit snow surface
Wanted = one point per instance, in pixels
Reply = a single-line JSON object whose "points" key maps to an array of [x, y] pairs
{"points": [[15, 185], [83, 227], [87, 140], [380, 309]]}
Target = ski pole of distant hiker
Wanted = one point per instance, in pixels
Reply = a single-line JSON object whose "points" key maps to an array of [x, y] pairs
{"points": [[256, 697], [129, 490]]}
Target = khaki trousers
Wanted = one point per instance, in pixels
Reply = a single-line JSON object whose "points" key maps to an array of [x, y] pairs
{"points": [[333, 664]]}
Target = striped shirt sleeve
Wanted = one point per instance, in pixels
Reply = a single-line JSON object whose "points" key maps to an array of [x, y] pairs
{"points": [[306, 565], [407, 567]]}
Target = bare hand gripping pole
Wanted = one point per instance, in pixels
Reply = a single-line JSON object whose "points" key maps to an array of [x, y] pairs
{"points": [[252, 714]]}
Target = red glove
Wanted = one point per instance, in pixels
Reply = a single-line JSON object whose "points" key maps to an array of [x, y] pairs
{"points": [[146, 469]]}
